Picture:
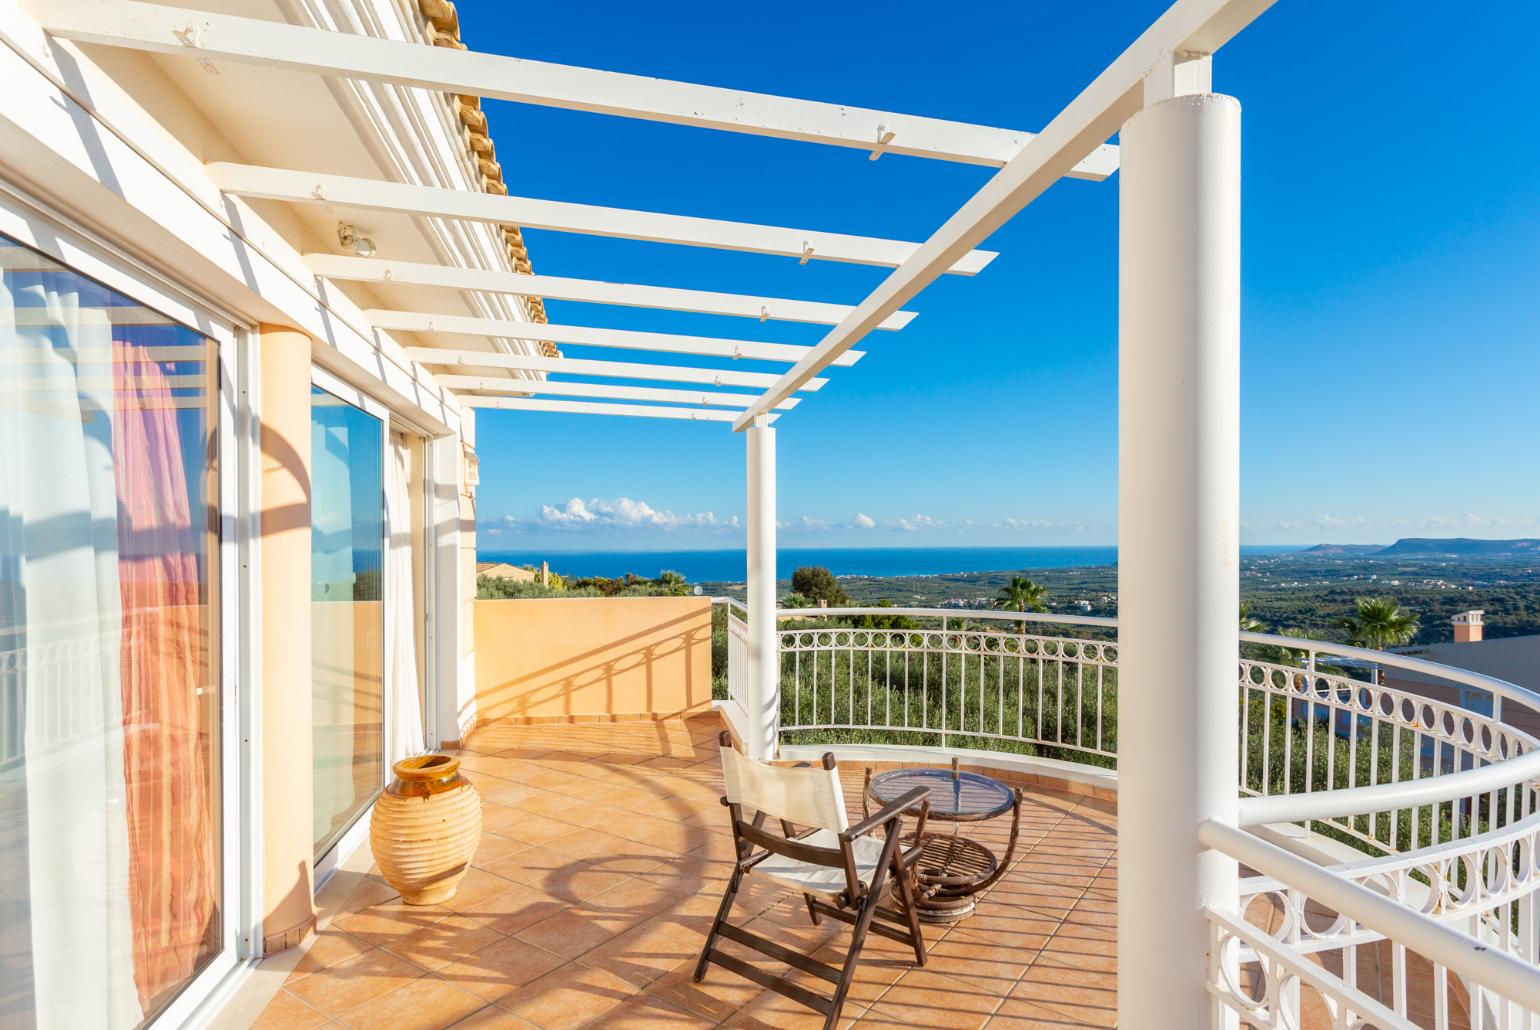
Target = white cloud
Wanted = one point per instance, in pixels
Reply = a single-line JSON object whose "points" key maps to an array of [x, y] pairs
{"points": [[863, 521], [1473, 520], [1283, 524], [1470, 519], [1014, 523], [625, 513], [1333, 522], [916, 522]]}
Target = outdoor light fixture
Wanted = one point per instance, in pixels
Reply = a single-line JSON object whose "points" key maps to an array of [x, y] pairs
{"points": [[363, 246]]}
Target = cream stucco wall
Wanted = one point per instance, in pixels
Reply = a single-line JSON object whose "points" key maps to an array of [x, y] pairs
{"points": [[592, 657]]}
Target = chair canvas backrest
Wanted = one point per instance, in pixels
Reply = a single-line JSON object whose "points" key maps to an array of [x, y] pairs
{"points": [[804, 796]]}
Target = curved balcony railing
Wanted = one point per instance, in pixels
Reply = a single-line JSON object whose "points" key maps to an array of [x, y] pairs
{"points": [[1407, 780]]}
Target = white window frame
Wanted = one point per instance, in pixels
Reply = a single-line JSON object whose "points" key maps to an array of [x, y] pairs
{"points": [[29, 222], [424, 441], [424, 615], [349, 842]]}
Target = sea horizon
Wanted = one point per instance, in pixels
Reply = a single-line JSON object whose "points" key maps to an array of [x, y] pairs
{"points": [[728, 565]]}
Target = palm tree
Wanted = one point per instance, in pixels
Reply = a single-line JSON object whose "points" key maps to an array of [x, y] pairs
{"points": [[1023, 595], [1380, 624], [672, 583], [1250, 623]]}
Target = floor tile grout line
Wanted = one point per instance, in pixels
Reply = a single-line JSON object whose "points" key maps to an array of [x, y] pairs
{"points": [[693, 784], [950, 927], [1101, 869]]}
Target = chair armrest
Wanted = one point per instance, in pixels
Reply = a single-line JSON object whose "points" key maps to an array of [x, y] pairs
{"points": [[915, 798]]}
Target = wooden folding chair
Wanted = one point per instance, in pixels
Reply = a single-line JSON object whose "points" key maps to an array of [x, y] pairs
{"points": [[841, 870]]}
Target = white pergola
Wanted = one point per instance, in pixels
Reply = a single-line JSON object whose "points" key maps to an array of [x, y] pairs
{"points": [[1178, 361]]}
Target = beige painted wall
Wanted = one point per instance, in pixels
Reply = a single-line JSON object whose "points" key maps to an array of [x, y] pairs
{"points": [[592, 657], [288, 914]]}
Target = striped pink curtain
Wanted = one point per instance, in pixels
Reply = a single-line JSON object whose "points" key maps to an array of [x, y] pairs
{"points": [[165, 660]]}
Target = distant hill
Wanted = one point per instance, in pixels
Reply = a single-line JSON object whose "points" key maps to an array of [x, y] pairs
{"points": [[1463, 546], [1343, 549]]}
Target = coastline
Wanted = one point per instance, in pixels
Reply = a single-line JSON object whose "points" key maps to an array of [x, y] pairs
{"points": [[727, 565]]}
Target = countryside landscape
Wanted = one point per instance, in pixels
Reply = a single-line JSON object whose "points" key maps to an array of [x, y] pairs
{"points": [[1311, 591]]}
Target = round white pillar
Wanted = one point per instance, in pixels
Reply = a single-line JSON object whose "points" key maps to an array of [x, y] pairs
{"points": [[764, 679], [1178, 546]]}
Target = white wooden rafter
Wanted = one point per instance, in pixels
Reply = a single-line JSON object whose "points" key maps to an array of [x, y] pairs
{"points": [[588, 336], [604, 391], [591, 291], [1188, 27], [1071, 145], [205, 36], [586, 367], [255, 182], [598, 408]]}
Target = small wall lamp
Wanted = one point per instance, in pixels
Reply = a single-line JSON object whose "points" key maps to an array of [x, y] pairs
{"points": [[363, 246]]}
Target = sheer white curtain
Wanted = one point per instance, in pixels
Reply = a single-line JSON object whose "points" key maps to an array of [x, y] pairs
{"points": [[60, 629], [405, 696]]}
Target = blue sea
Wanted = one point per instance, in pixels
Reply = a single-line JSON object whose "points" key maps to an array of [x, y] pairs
{"points": [[729, 566]]}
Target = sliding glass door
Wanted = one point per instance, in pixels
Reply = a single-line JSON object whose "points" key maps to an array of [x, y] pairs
{"points": [[347, 452], [113, 803]]}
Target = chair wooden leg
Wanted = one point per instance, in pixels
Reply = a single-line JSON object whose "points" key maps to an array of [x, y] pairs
{"points": [[867, 909], [905, 886], [812, 913], [716, 924]]}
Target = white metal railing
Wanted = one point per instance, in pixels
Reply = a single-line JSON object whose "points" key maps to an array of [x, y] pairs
{"points": [[1427, 972], [1396, 769], [736, 702], [1412, 798], [951, 678], [1267, 990]]}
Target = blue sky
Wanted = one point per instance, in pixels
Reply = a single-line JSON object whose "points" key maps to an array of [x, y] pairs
{"points": [[1391, 278]]}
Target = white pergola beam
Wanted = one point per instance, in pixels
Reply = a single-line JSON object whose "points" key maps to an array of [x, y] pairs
{"points": [[585, 367], [1187, 27], [588, 291], [593, 408], [603, 391], [299, 187], [157, 28], [587, 336]]}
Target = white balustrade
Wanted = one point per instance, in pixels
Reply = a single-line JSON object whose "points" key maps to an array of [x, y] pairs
{"points": [[1405, 796], [735, 705]]}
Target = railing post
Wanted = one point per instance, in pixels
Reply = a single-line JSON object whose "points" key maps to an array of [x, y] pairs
{"points": [[1178, 545], [763, 695], [944, 623]]}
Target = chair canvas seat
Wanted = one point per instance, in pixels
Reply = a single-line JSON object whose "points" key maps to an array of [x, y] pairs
{"points": [[821, 879]]}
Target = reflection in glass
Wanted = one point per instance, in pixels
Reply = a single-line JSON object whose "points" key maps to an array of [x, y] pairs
{"points": [[347, 621], [110, 859]]}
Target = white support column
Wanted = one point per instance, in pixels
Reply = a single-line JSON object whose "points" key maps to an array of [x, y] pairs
{"points": [[764, 681], [1178, 542]]}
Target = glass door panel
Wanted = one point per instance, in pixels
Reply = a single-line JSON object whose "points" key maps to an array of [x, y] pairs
{"points": [[347, 621], [111, 833]]}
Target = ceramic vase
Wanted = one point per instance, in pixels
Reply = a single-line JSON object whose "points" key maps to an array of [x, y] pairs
{"points": [[425, 828]]}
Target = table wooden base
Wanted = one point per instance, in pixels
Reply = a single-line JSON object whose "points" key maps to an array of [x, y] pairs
{"points": [[951, 868], [950, 871]]}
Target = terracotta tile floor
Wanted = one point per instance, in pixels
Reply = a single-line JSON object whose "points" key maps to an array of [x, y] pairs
{"points": [[603, 858]]}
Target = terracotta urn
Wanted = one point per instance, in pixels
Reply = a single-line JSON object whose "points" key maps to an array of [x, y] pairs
{"points": [[425, 828]]}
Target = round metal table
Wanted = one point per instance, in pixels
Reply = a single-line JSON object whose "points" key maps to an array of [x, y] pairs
{"points": [[952, 868]]}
